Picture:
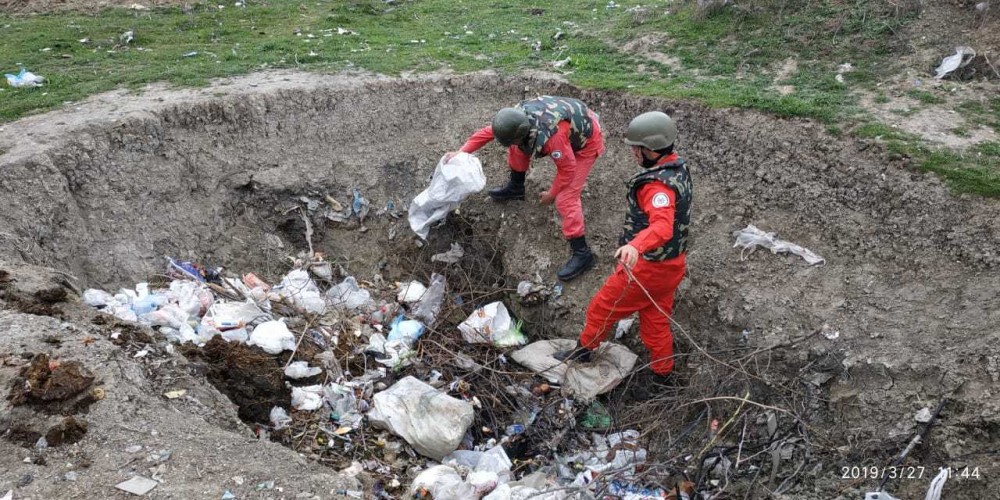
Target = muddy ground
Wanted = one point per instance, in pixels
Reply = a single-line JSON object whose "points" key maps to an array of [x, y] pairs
{"points": [[103, 191]]}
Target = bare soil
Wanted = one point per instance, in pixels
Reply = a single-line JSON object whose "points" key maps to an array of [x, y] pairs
{"points": [[104, 190]]}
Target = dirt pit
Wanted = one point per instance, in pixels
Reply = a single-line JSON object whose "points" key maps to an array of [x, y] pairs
{"points": [[798, 376]]}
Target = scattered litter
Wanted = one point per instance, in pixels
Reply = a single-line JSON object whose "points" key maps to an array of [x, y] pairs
{"points": [[309, 398], [433, 422], [137, 6], [451, 183], [191, 54], [830, 333], [24, 78], [562, 63], [348, 295], [175, 394], [492, 324], [279, 418], [273, 337], [430, 302], [923, 416], [127, 37], [300, 289], [360, 205], [750, 237], [228, 495], [937, 485], [451, 256], [405, 330], [962, 57], [623, 327], [342, 31], [411, 292], [879, 495], [137, 485], [301, 369], [524, 288]]}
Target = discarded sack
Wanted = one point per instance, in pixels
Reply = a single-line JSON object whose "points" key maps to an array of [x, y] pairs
{"points": [[273, 337], [300, 290], [491, 324], [348, 295], [451, 183], [433, 422], [611, 363], [24, 78], [962, 57], [749, 238]]}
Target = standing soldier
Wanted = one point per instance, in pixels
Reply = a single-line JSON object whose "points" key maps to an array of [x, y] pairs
{"points": [[564, 129], [653, 248]]}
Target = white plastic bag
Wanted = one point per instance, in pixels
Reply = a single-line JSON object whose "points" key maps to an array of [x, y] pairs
{"points": [[955, 61], [97, 298], [431, 421], [410, 292], [443, 482], [348, 295], [273, 337], [280, 418], [750, 237], [430, 303], [301, 369], [491, 324], [451, 183], [300, 289], [308, 398], [24, 78]]}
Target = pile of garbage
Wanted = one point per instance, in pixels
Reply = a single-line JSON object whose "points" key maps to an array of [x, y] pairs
{"points": [[421, 422]]}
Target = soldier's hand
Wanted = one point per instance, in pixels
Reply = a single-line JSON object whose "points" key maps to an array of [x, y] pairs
{"points": [[546, 198], [628, 255]]}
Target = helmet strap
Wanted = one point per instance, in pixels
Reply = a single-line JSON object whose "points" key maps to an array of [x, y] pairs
{"points": [[648, 162]]}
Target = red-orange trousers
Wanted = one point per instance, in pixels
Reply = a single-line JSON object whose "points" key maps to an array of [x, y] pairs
{"points": [[621, 297]]}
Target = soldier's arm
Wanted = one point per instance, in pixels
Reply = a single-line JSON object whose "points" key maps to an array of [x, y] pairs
{"points": [[477, 140], [657, 200]]}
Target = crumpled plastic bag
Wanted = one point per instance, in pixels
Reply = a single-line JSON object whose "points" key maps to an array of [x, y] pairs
{"points": [[451, 183], [280, 418], [348, 295], [432, 422], [300, 289], [273, 337], [961, 57], [301, 369], [308, 398], [491, 324], [430, 302], [443, 482], [750, 237], [24, 78]]}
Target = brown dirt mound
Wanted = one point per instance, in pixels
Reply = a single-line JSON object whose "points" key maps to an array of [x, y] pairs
{"points": [[251, 378], [45, 381]]}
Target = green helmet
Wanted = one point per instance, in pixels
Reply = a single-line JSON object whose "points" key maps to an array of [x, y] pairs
{"points": [[654, 130], [510, 126]]}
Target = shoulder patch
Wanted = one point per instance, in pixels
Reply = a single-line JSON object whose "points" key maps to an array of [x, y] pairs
{"points": [[556, 155], [661, 200]]}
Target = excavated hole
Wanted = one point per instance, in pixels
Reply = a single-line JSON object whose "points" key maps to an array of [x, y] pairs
{"points": [[844, 354]]}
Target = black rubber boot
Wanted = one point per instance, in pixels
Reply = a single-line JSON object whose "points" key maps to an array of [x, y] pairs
{"points": [[651, 385], [579, 262], [578, 353], [514, 190]]}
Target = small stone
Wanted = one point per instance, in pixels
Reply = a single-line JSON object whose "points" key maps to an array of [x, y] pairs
{"points": [[70, 476], [135, 448], [923, 416], [238, 480]]}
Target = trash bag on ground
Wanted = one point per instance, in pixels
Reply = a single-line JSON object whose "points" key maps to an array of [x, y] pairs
{"points": [[348, 295], [432, 422], [491, 324], [441, 481], [298, 288], [611, 363], [749, 238], [451, 183], [273, 337], [430, 302]]}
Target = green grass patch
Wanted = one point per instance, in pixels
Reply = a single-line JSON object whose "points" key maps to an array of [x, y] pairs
{"points": [[925, 97], [733, 57]]}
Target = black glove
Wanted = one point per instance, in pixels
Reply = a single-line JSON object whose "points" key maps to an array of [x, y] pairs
{"points": [[578, 353]]}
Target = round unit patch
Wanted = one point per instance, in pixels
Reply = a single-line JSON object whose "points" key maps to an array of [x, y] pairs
{"points": [[661, 200], [556, 155]]}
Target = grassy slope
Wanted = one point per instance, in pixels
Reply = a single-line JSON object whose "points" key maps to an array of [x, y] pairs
{"points": [[726, 59]]}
